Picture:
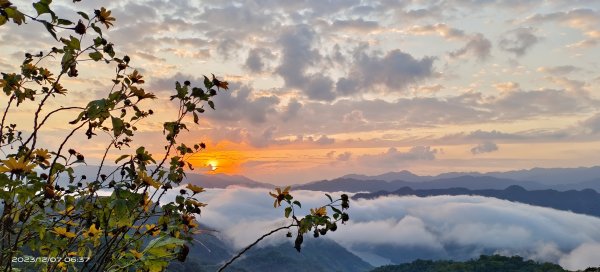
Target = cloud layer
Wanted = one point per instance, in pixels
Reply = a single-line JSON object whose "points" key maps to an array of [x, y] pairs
{"points": [[443, 227]]}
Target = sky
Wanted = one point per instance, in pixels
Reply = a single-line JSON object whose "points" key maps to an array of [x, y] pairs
{"points": [[319, 89]]}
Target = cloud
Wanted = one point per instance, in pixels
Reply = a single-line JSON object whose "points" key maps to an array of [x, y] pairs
{"points": [[255, 62], [443, 227], [478, 47], [583, 256], [393, 157], [518, 41], [584, 19], [507, 86], [358, 25], [559, 70], [592, 123], [485, 147], [395, 71], [344, 156], [441, 29]]}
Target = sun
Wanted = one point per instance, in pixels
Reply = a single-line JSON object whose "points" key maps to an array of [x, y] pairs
{"points": [[213, 164]]}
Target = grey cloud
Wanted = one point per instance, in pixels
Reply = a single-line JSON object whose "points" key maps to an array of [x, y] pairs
{"points": [[523, 104], [292, 110], [297, 55], [268, 137], [265, 139], [491, 135], [584, 19], [344, 156], [485, 147], [395, 70], [238, 102], [440, 29], [358, 25], [324, 140], [518, 41], [478, 46], [319, 87], [593, 123], [559, 70], [255, 62], [239, 106], [393, 157]]}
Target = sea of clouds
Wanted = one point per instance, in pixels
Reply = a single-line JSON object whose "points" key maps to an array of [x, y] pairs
{"points": [[398, 229]]}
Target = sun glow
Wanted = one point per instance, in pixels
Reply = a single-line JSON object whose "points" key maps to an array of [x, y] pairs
{"points": [[212, 164]]}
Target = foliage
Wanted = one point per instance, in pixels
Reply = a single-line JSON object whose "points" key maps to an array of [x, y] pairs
{"points": [[483, 264], [71, 222]]}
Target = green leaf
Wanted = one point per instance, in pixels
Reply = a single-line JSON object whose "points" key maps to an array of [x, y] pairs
{"points": [[297, 203], [288, 211], [41, 8], [50, 29], [211, 104], [3, 20], [164, 241], [97, 29], [122, 157], [85, 16], [118, 126], [207, 83], [74, 43], [328, 196], [336, 209], [64, 22], [96, 56], [17, 16], [196, 118]]}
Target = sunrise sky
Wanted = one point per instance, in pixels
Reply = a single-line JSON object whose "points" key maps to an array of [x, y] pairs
{"points": [[320, 89]]}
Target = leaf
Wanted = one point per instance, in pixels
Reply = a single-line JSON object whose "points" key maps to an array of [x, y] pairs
{"points": [[122, 157], [97, 29], [207, 83], [64, 22], [96, 56], [288, 211], [41, 8], [297, 203], [196, 119], [164, 241], [85, 16], [50, 29], [74, 43], [211, 104], [336, 210], [328, 196], [17, 16], [118, 126]]}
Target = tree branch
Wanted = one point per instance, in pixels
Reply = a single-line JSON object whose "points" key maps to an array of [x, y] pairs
{"points": [[253, 244]]}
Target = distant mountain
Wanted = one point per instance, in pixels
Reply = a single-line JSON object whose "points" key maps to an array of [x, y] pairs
{"points": [[317, 255], [391, 176], [206, 181], [585, 202], [222, 181], [545, 176], [469, 182], [591, 184], [495, 263]]}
